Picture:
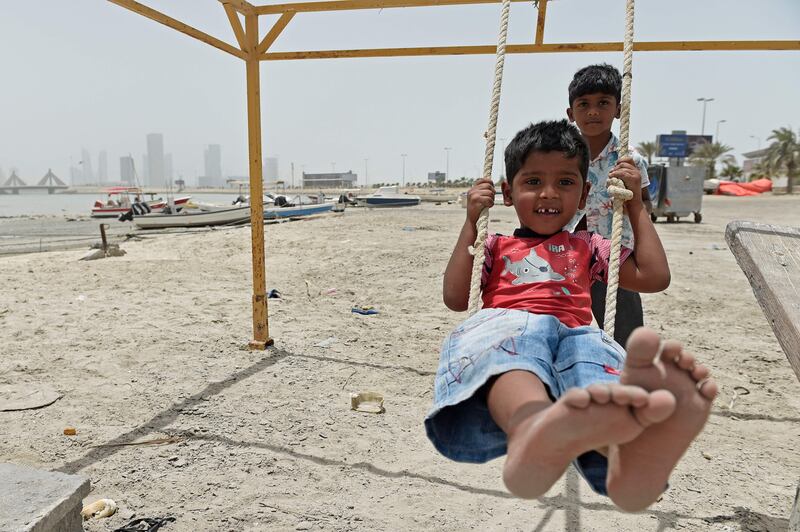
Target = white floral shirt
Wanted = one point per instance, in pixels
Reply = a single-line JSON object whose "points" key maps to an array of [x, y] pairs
{"points": [[599, 209]]}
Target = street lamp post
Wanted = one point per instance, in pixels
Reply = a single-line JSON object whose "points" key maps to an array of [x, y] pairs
{"points": [[366, 173], [447, 163], [404, 155], [716, 135], [703, 125]]}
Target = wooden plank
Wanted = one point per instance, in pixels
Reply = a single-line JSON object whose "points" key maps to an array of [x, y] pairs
{"points": [[242, 6], [677, 46], [350, 5], [261, 337], [236, 24], [542, 7], [770, 258], [274, 32], [161, 18]]}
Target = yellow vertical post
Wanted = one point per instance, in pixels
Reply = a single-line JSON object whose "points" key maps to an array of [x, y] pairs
{"points": [[542, 7], [261, 337]]}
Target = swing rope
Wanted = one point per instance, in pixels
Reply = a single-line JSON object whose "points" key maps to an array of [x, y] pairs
{"points": [[616, 187], [482, 225]]}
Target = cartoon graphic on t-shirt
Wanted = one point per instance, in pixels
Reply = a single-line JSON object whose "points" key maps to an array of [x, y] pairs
{"points": [[531, 269]]}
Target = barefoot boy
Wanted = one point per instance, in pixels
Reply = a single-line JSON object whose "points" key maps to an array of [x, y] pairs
{"points": [[594, 102], [527, 375]]}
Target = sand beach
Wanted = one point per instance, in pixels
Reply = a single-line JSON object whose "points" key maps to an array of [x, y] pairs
{"points": [[153, 345]]}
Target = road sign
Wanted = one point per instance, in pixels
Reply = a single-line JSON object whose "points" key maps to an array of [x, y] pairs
{"points": [[673, 145]]}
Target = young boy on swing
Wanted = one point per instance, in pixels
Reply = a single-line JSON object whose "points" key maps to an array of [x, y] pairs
{"points": [[527, 376], [595, 95]]}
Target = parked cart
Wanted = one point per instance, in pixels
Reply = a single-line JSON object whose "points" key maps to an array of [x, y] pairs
{"points": [[676, 192]]}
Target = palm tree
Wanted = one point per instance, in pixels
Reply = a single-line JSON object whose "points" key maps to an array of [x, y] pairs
{"points": [[648, 149], [708, 154], [730, 171], [784, 154]]}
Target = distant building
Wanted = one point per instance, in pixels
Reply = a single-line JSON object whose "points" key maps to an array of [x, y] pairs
{"points": [[127, 173], [751, 160], [102, 167], [331, 180], [212, 159], [437, 177], [155, 160], [168, 175], [270, 169], [144, 175], [87, 175]]}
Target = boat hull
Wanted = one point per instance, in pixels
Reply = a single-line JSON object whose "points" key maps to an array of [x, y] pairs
{"points": [[156, 206], [235, 216], [388, 202]]}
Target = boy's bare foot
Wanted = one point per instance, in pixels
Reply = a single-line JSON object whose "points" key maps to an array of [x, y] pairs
{"points": [[638, 470], [541, 446]]}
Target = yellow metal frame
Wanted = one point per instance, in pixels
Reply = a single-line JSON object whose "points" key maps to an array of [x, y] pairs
{"points": [[253, 50]]}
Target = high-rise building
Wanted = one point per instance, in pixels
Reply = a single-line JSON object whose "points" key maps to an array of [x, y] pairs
{"points": [[87, 177], [155, 160], [102, 167], [127, 173], [212, 157], [270, 169], [168, 176]]}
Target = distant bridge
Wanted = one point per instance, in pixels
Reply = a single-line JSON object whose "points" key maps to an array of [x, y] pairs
{"points": [[50, 182]]}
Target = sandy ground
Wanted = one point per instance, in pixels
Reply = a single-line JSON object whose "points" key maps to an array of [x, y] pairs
{"points": [[153, 344]]}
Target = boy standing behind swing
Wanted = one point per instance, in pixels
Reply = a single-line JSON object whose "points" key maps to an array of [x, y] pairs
{"points": [[595, 94]]}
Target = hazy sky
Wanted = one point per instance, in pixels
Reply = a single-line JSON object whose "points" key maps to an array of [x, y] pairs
{"points": [[88, 74]]}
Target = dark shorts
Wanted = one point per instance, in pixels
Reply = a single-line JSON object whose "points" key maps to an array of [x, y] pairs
{"points": [[629, 311]]}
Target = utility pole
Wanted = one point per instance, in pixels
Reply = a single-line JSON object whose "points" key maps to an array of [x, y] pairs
{"points": [[716, 136], [447, 163], [703, 124], [404, 155], [366, 173], [292, 175]]}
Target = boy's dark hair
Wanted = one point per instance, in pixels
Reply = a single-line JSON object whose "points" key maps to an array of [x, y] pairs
{"points": [[555, 135], [603, 79]]}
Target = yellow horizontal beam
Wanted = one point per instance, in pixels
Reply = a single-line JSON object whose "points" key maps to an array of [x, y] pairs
{"points": [[242, 6], [161, 18], [676, 46], [349, 5]]}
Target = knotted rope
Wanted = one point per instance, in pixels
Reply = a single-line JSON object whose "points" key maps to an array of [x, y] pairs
{"points": [[616, 187], [482, 225]]}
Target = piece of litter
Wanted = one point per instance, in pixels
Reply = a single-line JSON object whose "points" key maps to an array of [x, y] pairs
{"points": [[70, 431], [409, 228], [366, 311], [273, 294], [370, 402], [327, 342], [81, 298], [150, 524], [99, 508]]}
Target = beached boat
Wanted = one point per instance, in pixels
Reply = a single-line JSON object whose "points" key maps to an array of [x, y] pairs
{"points": [[232, 216], [120, 200], [388, 197]]}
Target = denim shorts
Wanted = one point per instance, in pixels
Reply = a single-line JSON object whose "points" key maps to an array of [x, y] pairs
{"points": [[494, 341]]}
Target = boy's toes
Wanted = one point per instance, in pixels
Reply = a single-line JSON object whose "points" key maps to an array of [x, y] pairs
{"points": [[708, 388], [577, 398], [700, 372], [660, 405], [600, 393], [686, 361], [626, 395], [672, 351], [642, 347]]}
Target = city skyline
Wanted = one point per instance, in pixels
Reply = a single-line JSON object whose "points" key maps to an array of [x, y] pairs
{"points": [[364, 114]]}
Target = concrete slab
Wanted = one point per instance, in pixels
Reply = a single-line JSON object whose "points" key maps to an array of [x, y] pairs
{"points": [[33, 500]]}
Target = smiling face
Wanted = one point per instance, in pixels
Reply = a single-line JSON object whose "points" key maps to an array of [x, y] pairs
{"points": [[594, 113], [547, 191]]}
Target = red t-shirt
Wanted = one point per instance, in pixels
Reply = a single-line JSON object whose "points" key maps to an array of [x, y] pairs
{"points": [[546, 275]]}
